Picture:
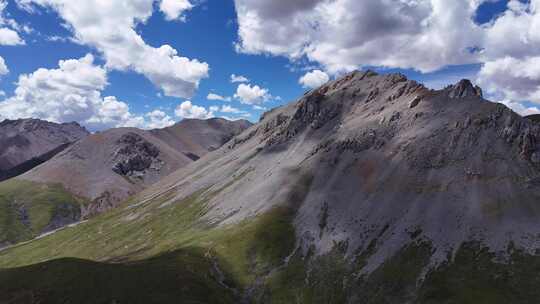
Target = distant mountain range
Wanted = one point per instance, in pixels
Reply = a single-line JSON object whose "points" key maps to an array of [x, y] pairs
{"points": [[27, 143], [369, 189], [93, 172]]}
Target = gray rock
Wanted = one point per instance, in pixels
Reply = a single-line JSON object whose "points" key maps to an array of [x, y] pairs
{"points": [[135, 156], [395, 116], [415, 102], [463, 89]]}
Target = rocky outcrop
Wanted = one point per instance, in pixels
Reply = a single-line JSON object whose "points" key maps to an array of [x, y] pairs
{"points": [[135, 156], [415, 102], [63, 215], [106, 201], [313, 111], [464, 88]]}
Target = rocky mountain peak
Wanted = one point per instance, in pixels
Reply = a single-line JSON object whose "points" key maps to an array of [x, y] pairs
{"points": [[464, 88], [389, 105], [384, 151], [359, 93], [32, 125]]}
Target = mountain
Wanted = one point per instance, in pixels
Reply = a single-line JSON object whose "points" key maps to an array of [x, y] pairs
{"points": [[26, 143], [369, 189], [195, 137], [98, 172], [533, 117]]}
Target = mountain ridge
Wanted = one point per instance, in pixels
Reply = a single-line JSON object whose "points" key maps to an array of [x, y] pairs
{"points": [[26, 143], [148, 155], [514, 133], [371, 188], [98, 172]]}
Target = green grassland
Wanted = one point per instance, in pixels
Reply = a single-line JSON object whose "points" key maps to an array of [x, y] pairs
{"points": [[135, 233], [27, 208], [184, 276], [162, 251]]}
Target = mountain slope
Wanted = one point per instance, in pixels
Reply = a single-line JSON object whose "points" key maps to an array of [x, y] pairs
{"points": [[98, 172], [195, 137], [26, 143], [28, 209], [108, 167], [370, 189], [157, 280]]}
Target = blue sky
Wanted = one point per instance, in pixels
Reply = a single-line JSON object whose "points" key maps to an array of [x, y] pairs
{"points": [[214, 32], [208, 34]]}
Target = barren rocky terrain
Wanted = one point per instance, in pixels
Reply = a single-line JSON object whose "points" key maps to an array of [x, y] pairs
{"points": [[26, 143], [369, 189]]}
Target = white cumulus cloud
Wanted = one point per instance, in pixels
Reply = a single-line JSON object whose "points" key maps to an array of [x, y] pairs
{"points": [[314, 79], [230, 109], [213, 96], [109, 26], [426, 35], [238, 78], [345, 34], [188, 110], [226, 111], [71, 92], [9, 37], [251, 94], [8, 28], [3, 67], [520, 108], [512, 54], [173, 9], [515, 79], [158, 119], [111, 112]]}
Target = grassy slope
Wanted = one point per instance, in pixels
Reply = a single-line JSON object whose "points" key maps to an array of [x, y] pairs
{"points": [[243, 251], [183, 276], [473, 277], [169, 248], [40, 202]]}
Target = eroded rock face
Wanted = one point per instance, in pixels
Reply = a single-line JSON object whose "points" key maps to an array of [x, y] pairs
{"points": [[64, 214], [104, 202], [313, 112], [21, 212], [415, 102], [464, 89], [136, 156]]}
